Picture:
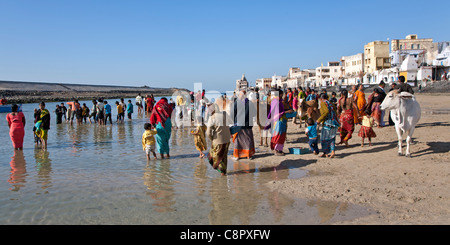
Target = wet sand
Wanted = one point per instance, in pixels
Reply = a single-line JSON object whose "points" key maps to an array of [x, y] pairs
{"points": [[399, 190]]}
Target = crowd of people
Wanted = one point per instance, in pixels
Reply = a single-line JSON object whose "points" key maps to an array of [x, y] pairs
{"points": [[226, 121]]}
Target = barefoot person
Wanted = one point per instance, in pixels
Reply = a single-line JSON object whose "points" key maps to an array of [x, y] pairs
{"points": [[42, 124], [16, 123], [346, 107], [161, 120], [148, 140], [277, 120], [366, 130], [243, 139], [330, 126], [218, 132], [199, 136]]}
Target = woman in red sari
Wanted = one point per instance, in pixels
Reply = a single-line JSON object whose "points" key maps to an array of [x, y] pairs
{"points": [[16, 123], [150, 101], [346, 108]]}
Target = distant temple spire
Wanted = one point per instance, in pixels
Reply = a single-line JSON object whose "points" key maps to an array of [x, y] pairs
{"points": [[242, 83]]}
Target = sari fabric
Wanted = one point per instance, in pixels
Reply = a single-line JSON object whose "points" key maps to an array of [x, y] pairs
{"points": [[278, 120], [360, 99], [329, 129], [244, 145], [162, 137], [218, 157], [200, 139], [160, 117], [347, 123], [243, 141], [42, 124], [376, 111], [16, 131], [161, 112]]}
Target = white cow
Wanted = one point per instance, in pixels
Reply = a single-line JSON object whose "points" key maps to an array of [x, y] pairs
{"points": [[405, 112]]}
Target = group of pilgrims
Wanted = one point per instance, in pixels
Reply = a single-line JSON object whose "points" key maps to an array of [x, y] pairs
{"points": [[230, 120]]}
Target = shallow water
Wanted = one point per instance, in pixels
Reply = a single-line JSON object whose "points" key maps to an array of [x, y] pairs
{"points": [[94, 174]]}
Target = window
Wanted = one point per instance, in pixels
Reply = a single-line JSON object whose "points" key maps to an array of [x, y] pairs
{"points": [[412, 46], [401, 46], [418, 46]]}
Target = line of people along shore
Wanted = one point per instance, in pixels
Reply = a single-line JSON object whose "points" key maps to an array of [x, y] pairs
{"points": [[226, 121]]}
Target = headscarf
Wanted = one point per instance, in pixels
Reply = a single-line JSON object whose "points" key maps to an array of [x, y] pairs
{"points": [[161, 111]]}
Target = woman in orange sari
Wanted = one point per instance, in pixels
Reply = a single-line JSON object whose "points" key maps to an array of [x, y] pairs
{"points": [[360, 99]]}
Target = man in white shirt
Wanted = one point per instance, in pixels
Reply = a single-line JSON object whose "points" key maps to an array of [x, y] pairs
{"points": [[139, 103]]}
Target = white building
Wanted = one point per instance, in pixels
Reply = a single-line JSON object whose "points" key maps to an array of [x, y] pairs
{"points": [[389, 75], [279, 81], [328, 75], [263, 83], [397, 57], [409, 68], [443, 59], [352, 68], [297, 77]]}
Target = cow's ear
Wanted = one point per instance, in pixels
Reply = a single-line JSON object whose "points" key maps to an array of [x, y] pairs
{"points": [[405, 95]]}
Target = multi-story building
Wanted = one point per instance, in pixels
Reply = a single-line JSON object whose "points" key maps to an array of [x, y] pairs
{"points": [[263, 83], [328, 75], [296, 77], [241, 83], [397, 57], [278, 81], [376, 56], [353, 68], [412, 42]]}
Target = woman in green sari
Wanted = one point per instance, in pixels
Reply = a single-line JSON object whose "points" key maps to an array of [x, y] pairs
{"points": [[160, 118]]}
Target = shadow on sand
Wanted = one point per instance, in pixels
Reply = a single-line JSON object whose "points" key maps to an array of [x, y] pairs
{"points": [[434, 147], [286, 164], [443, 124]]}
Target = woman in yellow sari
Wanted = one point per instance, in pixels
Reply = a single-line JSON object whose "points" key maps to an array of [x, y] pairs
{"points": [[360, 99], [199, 136]]}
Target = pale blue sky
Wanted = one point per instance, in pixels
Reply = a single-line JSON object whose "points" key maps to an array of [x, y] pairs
{"points": [[178, 43]]}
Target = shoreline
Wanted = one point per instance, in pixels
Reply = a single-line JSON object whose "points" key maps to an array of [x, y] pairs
{"points": [[397, 189], [30, 97], [36, 92]]}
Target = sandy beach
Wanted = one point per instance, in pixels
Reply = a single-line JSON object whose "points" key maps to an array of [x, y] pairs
{"points": [[399, 190]]}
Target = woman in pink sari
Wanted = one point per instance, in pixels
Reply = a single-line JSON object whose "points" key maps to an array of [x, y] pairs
{"points": [[16, 123]]}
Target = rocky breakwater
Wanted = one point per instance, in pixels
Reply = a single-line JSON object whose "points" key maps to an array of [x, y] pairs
{"points": [[31, 92]]}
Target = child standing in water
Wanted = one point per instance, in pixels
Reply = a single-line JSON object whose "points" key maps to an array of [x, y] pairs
{"points": [[148, 141], [366, 130], [199, 136]]}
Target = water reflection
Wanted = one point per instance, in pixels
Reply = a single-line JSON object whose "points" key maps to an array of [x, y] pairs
{"points": [[160, 185], [43, 169], [200, 177], [108, 161], [237, 197], [327, 209], [18, 174]]}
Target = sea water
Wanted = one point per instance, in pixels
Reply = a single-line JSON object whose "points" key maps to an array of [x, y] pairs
{"points": [[93, 174]]}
